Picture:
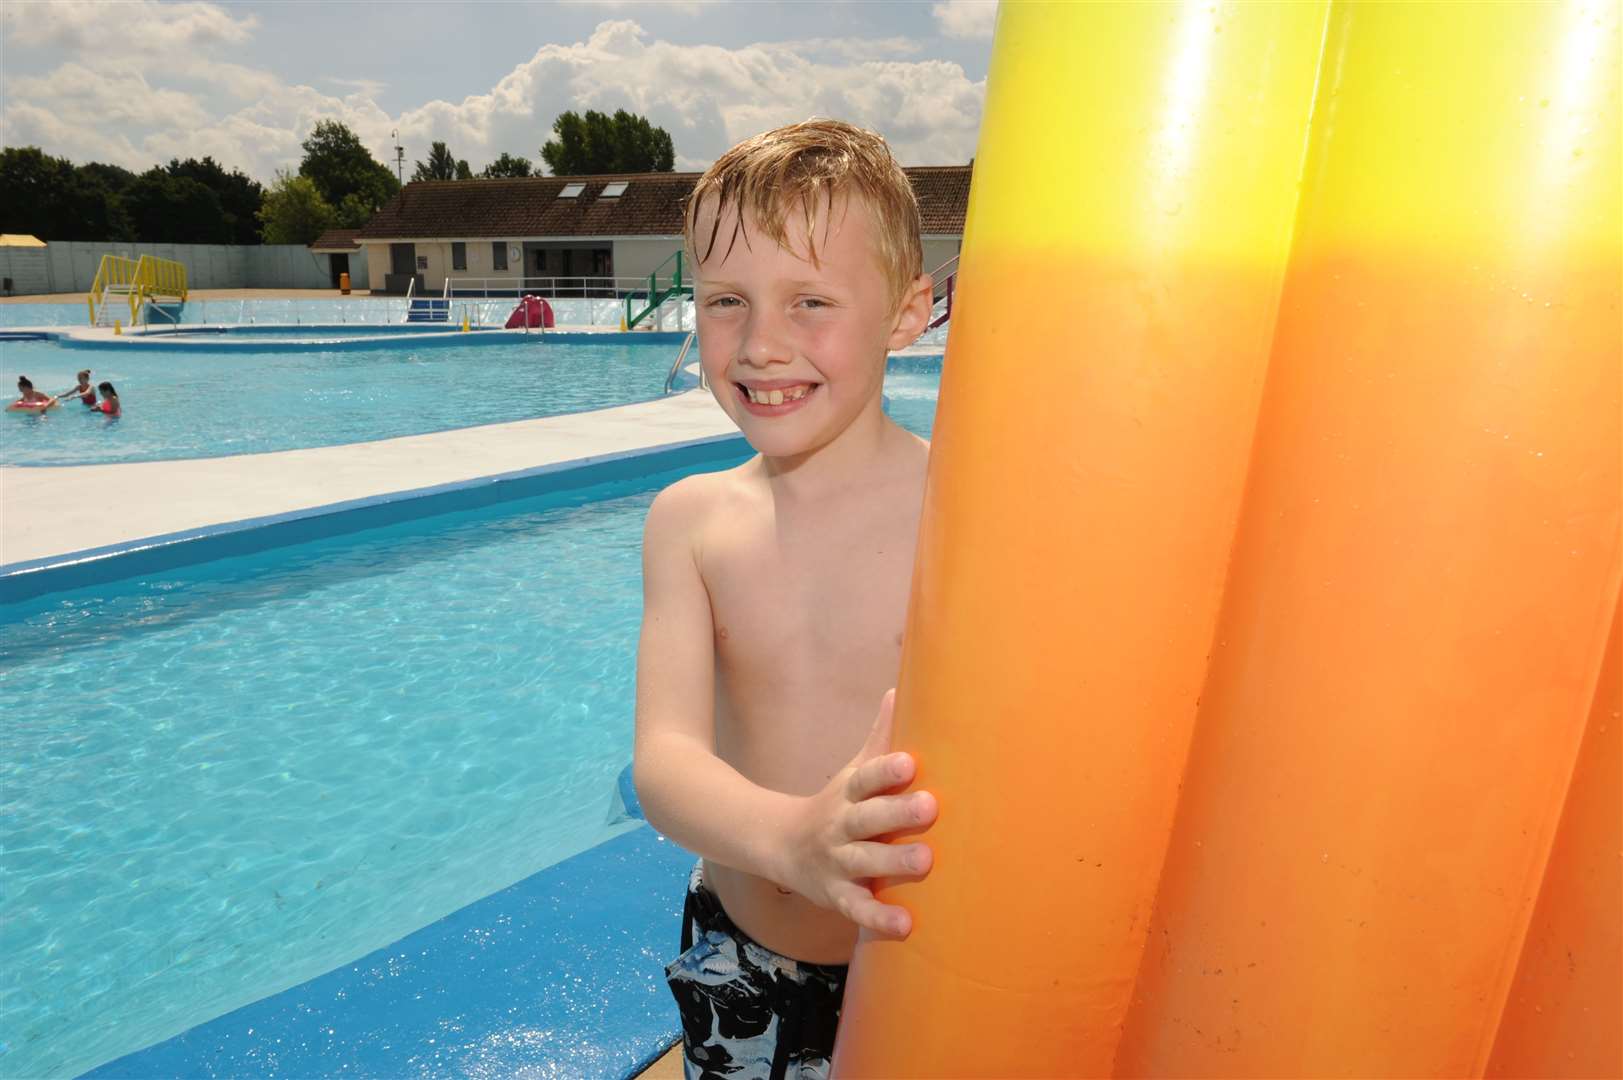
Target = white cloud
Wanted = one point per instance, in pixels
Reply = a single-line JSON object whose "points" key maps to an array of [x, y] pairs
{"points": [[707, 97], [112, 28], [971, 19]]}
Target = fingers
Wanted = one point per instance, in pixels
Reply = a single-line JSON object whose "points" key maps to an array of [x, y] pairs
{"points": [[882, 774], [867, 859], [859, 905], [888, 814]]}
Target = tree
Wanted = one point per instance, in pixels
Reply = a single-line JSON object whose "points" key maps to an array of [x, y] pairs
{"points": [[441, 165], [239, 195], [114, 178], [175, 210], [294, 211], [49, 198], [340, 166], [507, 166], [598, 143]]}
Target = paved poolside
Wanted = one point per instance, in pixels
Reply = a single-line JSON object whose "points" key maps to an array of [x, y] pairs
{"points": [[93, 506]]}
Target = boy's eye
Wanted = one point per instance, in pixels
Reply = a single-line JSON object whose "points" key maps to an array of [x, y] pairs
{"points": [[814, 302], [722, 301]]}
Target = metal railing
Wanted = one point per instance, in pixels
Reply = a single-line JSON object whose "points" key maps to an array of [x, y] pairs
{"points": [[943, 282], [137, 281], [676, 365], [655, 295], [548, 287], [114, 277]]}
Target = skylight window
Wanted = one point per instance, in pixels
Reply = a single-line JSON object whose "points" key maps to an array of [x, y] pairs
{"points": [[615, 190], [571, 191]]}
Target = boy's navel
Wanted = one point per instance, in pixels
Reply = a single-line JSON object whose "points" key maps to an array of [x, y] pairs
{"points": [[721, 632]]}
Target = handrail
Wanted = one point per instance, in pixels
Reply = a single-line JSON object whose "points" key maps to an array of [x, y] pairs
{"points": [[687, 343], [656, 295], [150, 308], [137, 280], [114, 276], [552, 287], [409, 290], [943, 278]]}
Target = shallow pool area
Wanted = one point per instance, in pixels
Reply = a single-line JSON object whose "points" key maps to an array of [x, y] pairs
{"points": [[228, 778], [192, 401]]}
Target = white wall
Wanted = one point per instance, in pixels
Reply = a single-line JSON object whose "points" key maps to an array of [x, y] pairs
{"points": [[28, 268], [70, 265], [938, 249], [639, 256]]}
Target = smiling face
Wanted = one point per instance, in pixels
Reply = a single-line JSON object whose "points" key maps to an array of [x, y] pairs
{"points": [[795, 350]]}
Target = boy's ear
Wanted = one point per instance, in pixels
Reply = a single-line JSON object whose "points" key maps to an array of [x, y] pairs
{"points": [[913, 314]]}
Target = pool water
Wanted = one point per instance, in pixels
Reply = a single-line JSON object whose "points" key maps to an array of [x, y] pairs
{"points": [[222, 780], [911, 385], [195, 401]]}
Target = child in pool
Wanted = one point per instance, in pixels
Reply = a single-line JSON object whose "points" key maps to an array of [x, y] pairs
{"points": [[29, 399], [775, 594], [109, 401], [84, 391]]}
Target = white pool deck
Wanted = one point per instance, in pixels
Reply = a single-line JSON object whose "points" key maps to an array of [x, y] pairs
{"points": [[47, 512]]}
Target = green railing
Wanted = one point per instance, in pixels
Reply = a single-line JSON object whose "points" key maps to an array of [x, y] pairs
{"points": [[657, 294]]}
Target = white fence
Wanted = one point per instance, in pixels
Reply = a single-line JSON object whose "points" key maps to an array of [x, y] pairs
{"points": [[70, 265]]}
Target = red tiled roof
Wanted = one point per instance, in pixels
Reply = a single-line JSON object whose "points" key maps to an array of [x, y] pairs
{"points": [[943, 195], [651, 206], [337, 240]]}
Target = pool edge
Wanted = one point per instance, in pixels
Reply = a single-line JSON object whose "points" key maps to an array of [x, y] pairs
{"points": [[29, 579]]}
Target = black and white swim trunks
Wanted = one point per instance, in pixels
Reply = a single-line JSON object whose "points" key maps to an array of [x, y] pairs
{"points": [[749, 1013]]}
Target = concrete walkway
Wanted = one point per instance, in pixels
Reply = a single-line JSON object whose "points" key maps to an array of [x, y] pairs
{"points": [[92, 506]]}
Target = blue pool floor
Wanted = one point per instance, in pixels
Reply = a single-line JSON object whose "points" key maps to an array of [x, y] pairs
{"points": [[560, 975]]}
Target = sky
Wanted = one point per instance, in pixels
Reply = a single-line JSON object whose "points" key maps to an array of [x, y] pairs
{"points": [[137, 82]]}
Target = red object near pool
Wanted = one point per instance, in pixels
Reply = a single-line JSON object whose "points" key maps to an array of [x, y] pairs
{"points": [[532, 313]]}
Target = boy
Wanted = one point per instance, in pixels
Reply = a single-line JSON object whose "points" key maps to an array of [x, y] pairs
{"points": [[775, 594]]}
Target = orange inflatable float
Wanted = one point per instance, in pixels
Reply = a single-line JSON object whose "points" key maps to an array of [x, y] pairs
{"points": [[1263, 648]]}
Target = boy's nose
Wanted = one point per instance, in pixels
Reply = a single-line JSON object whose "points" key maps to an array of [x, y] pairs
{"points": [[765, 341]]}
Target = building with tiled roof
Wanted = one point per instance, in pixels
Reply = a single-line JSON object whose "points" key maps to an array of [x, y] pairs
{"points": [[549, 233], [338, 245]]}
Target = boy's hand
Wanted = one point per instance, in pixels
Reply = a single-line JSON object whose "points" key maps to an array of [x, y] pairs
{"points": [[839, 847]]}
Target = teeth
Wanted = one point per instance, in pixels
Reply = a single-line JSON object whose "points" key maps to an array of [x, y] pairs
{"points": [[777, 397]]}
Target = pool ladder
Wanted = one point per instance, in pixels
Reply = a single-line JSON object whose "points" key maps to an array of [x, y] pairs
{"points": [[676, 365]]}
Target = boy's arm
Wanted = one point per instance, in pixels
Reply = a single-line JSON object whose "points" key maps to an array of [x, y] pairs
{"points": [[686, 791], [822, 846]]}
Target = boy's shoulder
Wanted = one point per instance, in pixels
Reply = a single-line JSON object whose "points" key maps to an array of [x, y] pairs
{"points": [[686, 505]]}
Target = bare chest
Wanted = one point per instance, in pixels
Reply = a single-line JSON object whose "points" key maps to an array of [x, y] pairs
{"points": [[816, 610]]}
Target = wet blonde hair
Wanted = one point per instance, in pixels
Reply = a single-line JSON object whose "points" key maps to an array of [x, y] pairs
{"points": [[803, 167]]}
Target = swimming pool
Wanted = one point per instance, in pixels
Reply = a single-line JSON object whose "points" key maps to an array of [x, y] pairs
{"points": [[195, 401], [227, 778], [911, 386]]}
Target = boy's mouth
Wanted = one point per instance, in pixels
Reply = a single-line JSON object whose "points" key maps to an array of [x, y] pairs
{"points": [[774, 398]]}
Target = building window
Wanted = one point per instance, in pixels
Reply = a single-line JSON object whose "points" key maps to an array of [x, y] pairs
{"points": [[614, 190], [571, 191], [459, 256], [498, 255]]}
